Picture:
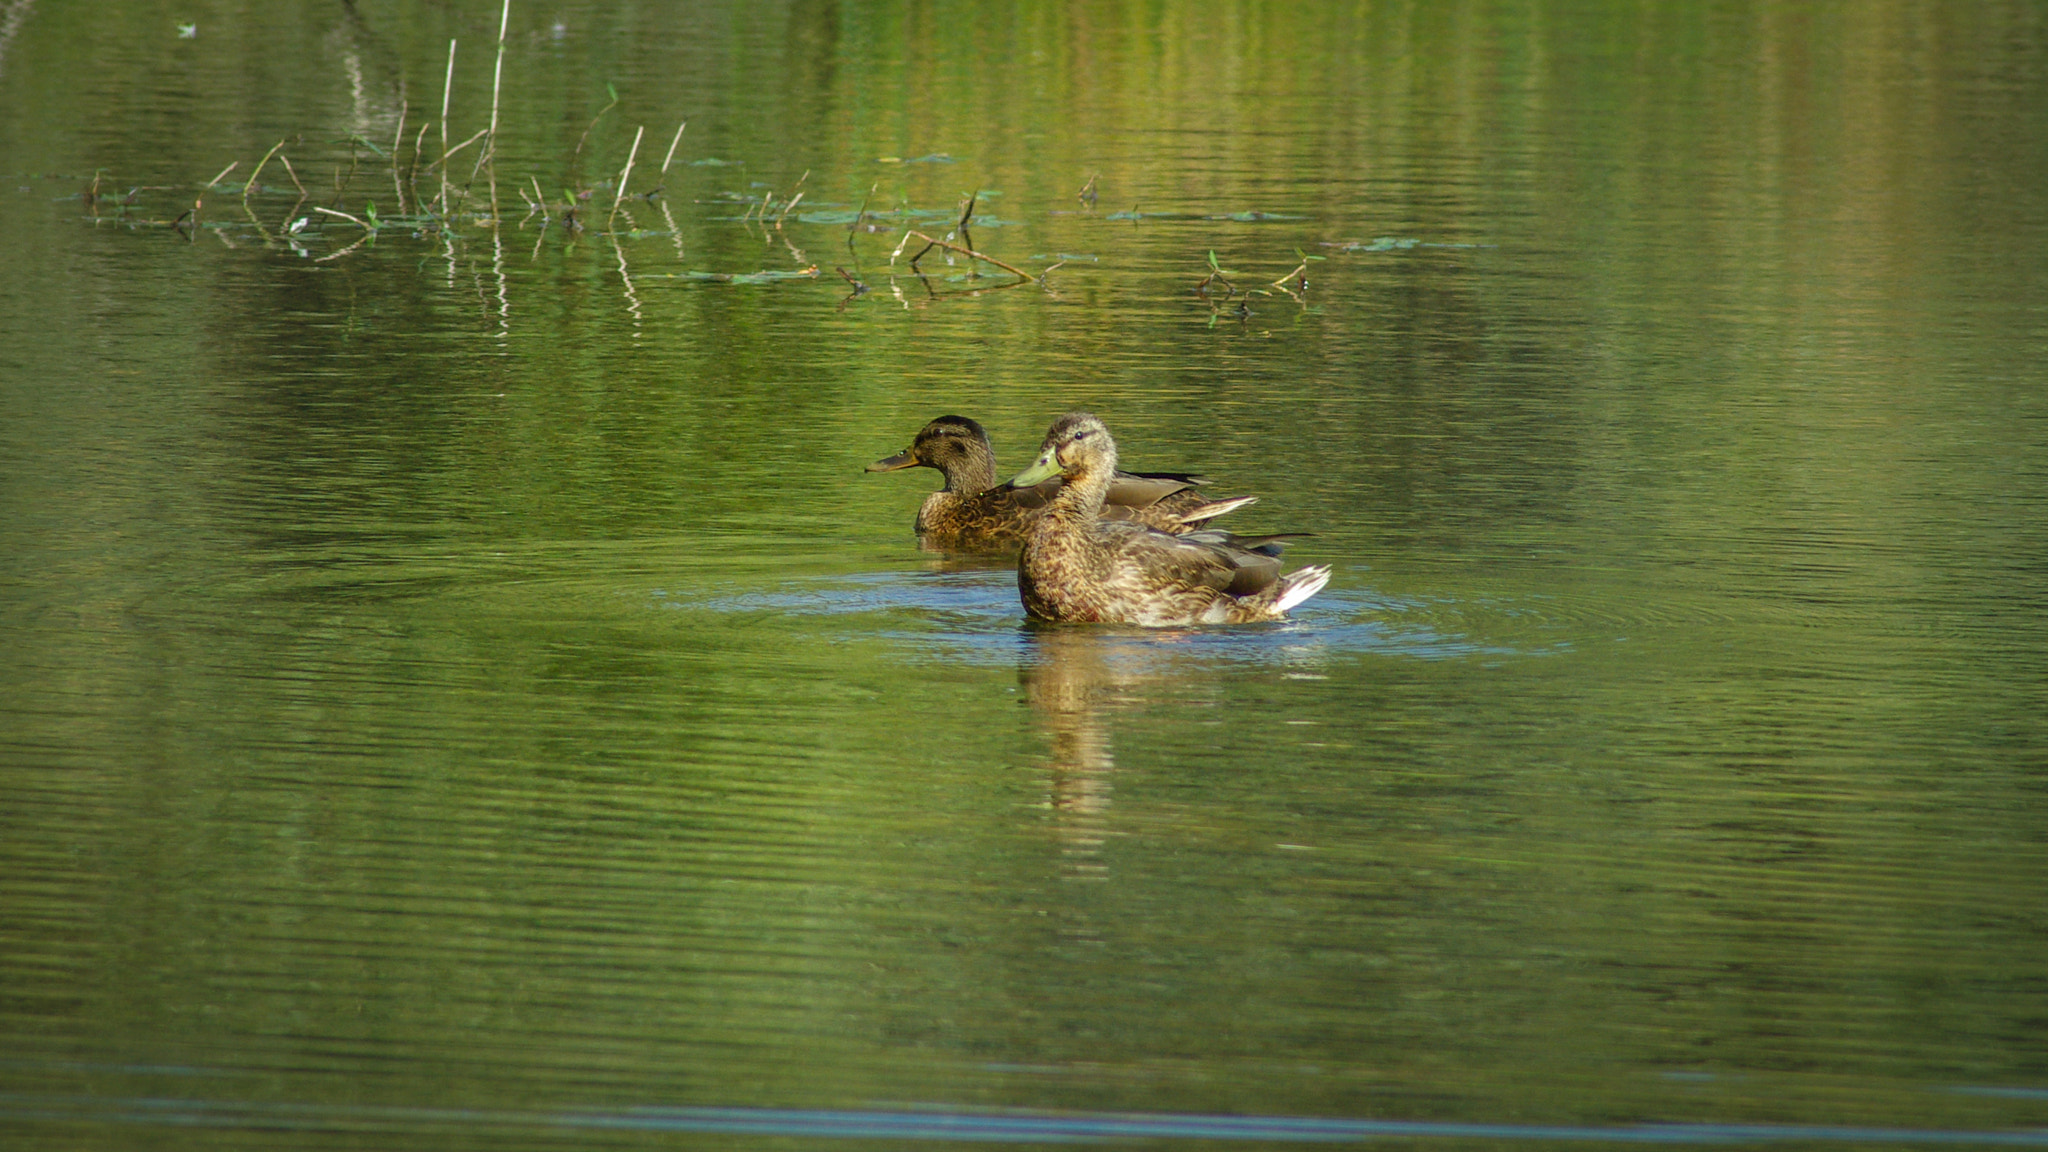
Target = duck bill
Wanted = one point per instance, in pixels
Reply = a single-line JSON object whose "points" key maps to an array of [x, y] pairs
{"points": [[894, 463], [1044, 468]]}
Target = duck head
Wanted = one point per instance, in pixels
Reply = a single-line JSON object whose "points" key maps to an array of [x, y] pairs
{"points": [[1077, 446], [956, 446]]}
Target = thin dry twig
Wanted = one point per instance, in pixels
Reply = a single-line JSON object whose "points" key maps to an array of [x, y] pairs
{"points": [[931, 243], [966, 214], [345, 216], [223, 174], [861, 216], [336, 255], [355, 160], [1299, 274], [291, 172], [443, 161], [581, 140]]}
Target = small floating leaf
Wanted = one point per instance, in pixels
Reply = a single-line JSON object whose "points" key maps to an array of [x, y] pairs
{"points": [[1382, 244], [766, 276]]}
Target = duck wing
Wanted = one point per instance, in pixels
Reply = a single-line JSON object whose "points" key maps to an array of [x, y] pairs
{"points": [[1270, 544], [1127, 493], [1207, 559], [1144, 489], [1184, 479]]}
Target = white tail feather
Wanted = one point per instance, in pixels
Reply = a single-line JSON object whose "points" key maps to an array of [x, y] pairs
{"points": [[1300, 585]]}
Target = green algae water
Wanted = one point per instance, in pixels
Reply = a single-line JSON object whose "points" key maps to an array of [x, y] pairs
{"points": [[461, 690]]}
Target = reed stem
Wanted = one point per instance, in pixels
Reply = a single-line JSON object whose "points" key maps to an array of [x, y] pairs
{"points": [[447, 89], [398, 141], [497, 74], [672, 147], [619, 193], [259, 169]]}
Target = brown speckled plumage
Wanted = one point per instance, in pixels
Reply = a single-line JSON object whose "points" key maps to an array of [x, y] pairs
{"points": [[974, 513], [1078, 566]]}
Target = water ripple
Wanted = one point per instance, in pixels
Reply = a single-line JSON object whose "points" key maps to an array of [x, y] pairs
{"points": [[972, 617]]}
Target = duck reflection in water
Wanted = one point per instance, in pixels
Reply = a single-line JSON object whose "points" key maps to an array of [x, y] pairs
{"points": [[1074, 678], [1085, 680]]}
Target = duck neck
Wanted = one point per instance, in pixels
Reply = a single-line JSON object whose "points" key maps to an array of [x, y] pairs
{"points": [[1082, 492]]}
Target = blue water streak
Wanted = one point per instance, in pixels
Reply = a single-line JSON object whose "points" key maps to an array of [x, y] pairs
{"points": [[1005, 1127]]}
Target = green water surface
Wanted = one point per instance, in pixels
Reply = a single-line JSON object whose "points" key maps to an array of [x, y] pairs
{"points": [[469, 670]]}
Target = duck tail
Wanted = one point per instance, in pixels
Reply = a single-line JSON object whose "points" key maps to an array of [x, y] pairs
{"points": [[1215, 508], [1298, 586]]}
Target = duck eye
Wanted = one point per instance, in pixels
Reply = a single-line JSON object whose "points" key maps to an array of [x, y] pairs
{"points": [[1081, 435]]}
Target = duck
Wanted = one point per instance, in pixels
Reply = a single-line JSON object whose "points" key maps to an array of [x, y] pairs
{"points": [[1078, 566], [973, 512]]}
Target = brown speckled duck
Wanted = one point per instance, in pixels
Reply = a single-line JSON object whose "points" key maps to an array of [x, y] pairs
{"points": [[975, 513], [1079, 566]]}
